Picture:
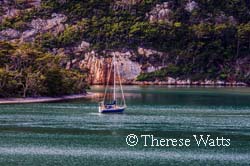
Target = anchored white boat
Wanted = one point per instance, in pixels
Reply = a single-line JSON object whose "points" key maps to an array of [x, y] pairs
{"points": [[111, 103]]}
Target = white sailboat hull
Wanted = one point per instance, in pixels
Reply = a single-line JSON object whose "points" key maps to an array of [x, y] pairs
{"points": [[112, 110]]}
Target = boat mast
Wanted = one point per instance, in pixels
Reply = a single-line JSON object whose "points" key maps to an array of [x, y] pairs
{"points": [[114, 75], [119, 76], [108, 80]]}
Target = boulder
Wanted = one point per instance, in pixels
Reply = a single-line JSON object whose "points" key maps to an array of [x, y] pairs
{"points": [[148, 52], [83, 46], [54, 23], [161, 13], [10, 13], [9, 34], [191, 5], [36, 3], [171, 81], [28, 35]]}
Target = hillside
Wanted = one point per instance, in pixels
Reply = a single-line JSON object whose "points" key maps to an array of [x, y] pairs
{"points": [[175, 42]]}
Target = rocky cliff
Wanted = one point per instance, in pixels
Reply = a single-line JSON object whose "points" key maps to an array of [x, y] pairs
{"points": [[99, 67], [185, 42]]}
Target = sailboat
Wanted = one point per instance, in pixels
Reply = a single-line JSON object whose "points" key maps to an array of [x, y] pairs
{"points": [[113, 105]]}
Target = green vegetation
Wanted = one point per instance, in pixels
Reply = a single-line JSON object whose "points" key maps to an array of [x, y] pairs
{"points": [[171, 71], [202, 44], [27, 71]]}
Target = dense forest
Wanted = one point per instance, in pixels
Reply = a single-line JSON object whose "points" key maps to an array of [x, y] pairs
{"points": [[203, 39]]}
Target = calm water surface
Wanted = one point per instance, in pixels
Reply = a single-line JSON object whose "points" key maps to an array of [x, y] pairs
{"points": [[73, 133]]}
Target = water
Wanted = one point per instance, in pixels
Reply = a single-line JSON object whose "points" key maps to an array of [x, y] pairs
{"points": [[73, 133]]}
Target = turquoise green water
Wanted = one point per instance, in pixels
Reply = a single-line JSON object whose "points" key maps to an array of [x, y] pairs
{"points": [[73, 133]]}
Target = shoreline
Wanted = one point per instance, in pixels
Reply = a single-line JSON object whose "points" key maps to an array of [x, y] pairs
{"points": [[44, 99], [201, 84], [196, 84]]}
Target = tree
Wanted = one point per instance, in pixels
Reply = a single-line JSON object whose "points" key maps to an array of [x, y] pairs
{"points": [[244, 36], [54, 81]]}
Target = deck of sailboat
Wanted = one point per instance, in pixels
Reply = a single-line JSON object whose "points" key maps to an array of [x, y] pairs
{"points": [[112, 110]]}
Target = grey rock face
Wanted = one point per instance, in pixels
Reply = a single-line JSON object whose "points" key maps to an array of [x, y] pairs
{"points": [[46, 25], [9, 34], [36, 3], [191, 5], [54, 25], [99, 67], [161, 13], [28, 35]]}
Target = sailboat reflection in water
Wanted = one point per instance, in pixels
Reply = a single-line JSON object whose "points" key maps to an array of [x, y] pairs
{"points": [[111, 103]]}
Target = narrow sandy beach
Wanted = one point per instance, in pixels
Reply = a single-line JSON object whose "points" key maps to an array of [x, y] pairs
{"points": [[44, 99]]}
